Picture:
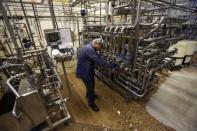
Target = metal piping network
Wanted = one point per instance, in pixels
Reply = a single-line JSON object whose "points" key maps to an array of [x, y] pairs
{"points": [[51, 82], [153, 31], [8, 24], [37, 3], [27, 22], [42, 77]]}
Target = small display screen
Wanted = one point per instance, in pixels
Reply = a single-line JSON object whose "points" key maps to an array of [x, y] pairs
{"points": [[53, 37]]}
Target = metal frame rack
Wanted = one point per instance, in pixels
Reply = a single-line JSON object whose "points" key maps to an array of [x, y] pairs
{"points": [[138, 40], [93, 23], [32, 82]]}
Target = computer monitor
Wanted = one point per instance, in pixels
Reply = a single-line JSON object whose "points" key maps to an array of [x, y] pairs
{"points": [[53, 38]]}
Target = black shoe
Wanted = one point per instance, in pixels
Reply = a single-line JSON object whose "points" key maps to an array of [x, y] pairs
{"points": [[96, 96], [94, 107]]}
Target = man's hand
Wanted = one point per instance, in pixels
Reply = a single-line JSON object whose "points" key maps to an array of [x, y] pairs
{"points": [[114, 66]]}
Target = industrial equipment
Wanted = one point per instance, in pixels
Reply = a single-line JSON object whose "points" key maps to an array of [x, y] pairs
{"points": [[30, 84], [37, 90], [138, 35]]}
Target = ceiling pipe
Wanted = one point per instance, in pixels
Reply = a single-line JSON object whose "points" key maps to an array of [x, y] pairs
{"points": [[75, 3], [36, 3]]}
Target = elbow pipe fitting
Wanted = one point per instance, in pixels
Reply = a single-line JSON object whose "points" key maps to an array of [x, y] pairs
{"points": [[123, 29], [116, 29], [111, 29], [10, 85], [107, 29]]}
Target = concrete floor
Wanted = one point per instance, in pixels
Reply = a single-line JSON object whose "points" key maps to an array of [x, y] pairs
{"points": [[114, 113], [175, 102]]}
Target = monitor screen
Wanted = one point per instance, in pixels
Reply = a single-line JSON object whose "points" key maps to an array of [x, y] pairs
{"points": [[53, 37]]}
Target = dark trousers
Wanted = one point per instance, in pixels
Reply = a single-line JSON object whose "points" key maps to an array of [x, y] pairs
{"points": [[90, 90]]}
